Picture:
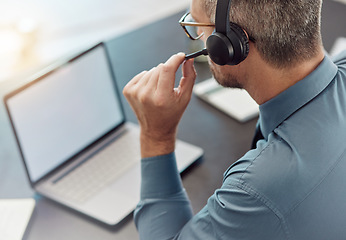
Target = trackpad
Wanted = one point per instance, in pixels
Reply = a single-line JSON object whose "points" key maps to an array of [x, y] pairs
{"points": [[129, 183], [110, 206]]}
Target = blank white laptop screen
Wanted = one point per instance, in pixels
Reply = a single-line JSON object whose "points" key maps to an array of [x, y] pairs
{"points": [[53, 122]]}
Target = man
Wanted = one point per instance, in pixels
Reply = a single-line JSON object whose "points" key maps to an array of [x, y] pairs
{"points": [[290, 186]]}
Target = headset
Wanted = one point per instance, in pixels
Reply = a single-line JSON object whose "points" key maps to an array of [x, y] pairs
{"points": [[229, 43]]}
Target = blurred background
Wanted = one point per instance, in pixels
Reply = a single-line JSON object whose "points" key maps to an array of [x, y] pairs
{"points": [[34, 33]]}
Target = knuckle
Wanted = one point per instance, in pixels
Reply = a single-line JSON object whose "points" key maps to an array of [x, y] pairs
{"points": [[141, 74], [159, 67], [143, 98], [130, 92], [126, 90], [159, 101], [165, 68]]}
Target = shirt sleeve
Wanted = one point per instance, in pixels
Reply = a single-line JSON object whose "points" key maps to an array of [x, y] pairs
{"points": [[232, 212], [164, 207]]}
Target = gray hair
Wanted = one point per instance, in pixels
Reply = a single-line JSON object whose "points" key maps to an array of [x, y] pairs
{"points": [[286, 31]]}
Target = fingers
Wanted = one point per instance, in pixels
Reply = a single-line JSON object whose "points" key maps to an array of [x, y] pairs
{"points": [[138, 81], [167, 72], [154, 78], [188, 79], [162, 77], [157, 105], [136, 78], [188, 69]]}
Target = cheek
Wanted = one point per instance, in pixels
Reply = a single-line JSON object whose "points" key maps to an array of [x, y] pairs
{"points": [[213, 65], [199, 31], [207, 33], [214, 68]]}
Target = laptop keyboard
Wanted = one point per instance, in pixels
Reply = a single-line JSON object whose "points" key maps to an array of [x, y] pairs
{"points": [[100, 170]]}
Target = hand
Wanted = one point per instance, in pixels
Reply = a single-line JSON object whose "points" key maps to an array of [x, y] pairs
{"points": [[158, 105]]}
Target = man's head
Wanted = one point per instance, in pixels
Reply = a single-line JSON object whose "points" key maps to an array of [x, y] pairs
{"points": [[286, 32]]}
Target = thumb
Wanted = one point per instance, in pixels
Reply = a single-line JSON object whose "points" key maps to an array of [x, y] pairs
{"points": [[189, 76]]}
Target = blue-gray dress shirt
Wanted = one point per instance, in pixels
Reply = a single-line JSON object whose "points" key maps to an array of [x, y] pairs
{"points": [[291, 186]]}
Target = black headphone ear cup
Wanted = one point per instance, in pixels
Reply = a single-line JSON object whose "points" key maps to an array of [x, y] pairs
{"points": [[220, 49], [243, 38], [231, 49]]}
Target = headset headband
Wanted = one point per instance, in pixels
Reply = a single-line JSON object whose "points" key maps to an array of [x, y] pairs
{"points": [[222, 23]]}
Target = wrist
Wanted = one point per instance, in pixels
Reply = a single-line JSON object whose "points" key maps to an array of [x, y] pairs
{"points": [[152, 145]]}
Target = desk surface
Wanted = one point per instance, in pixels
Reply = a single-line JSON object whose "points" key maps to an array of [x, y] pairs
{"points": [[223, 139]]}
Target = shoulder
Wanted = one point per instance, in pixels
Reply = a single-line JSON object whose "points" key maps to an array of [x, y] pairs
{"points": [[284, 169], [240, 207], [271, 173], [237, 210]]}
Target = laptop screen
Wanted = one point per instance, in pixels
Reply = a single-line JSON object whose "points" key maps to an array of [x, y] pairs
{"points": [[64, 111]]}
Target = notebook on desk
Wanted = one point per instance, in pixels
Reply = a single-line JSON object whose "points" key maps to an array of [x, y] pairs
{"points": [[15, 215], [77, 147], [235, 102]]}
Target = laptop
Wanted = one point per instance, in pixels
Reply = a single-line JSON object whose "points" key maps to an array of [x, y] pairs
{"points": [[77, 147]]}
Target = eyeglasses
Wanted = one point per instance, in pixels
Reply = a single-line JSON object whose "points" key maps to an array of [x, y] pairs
{"points": [[190, 26]]}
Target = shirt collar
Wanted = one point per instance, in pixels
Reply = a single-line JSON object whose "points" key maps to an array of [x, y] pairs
{"points": [[279, 108]]}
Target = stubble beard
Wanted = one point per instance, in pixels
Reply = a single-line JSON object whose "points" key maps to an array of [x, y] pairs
{"points": [[224, 79]]}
